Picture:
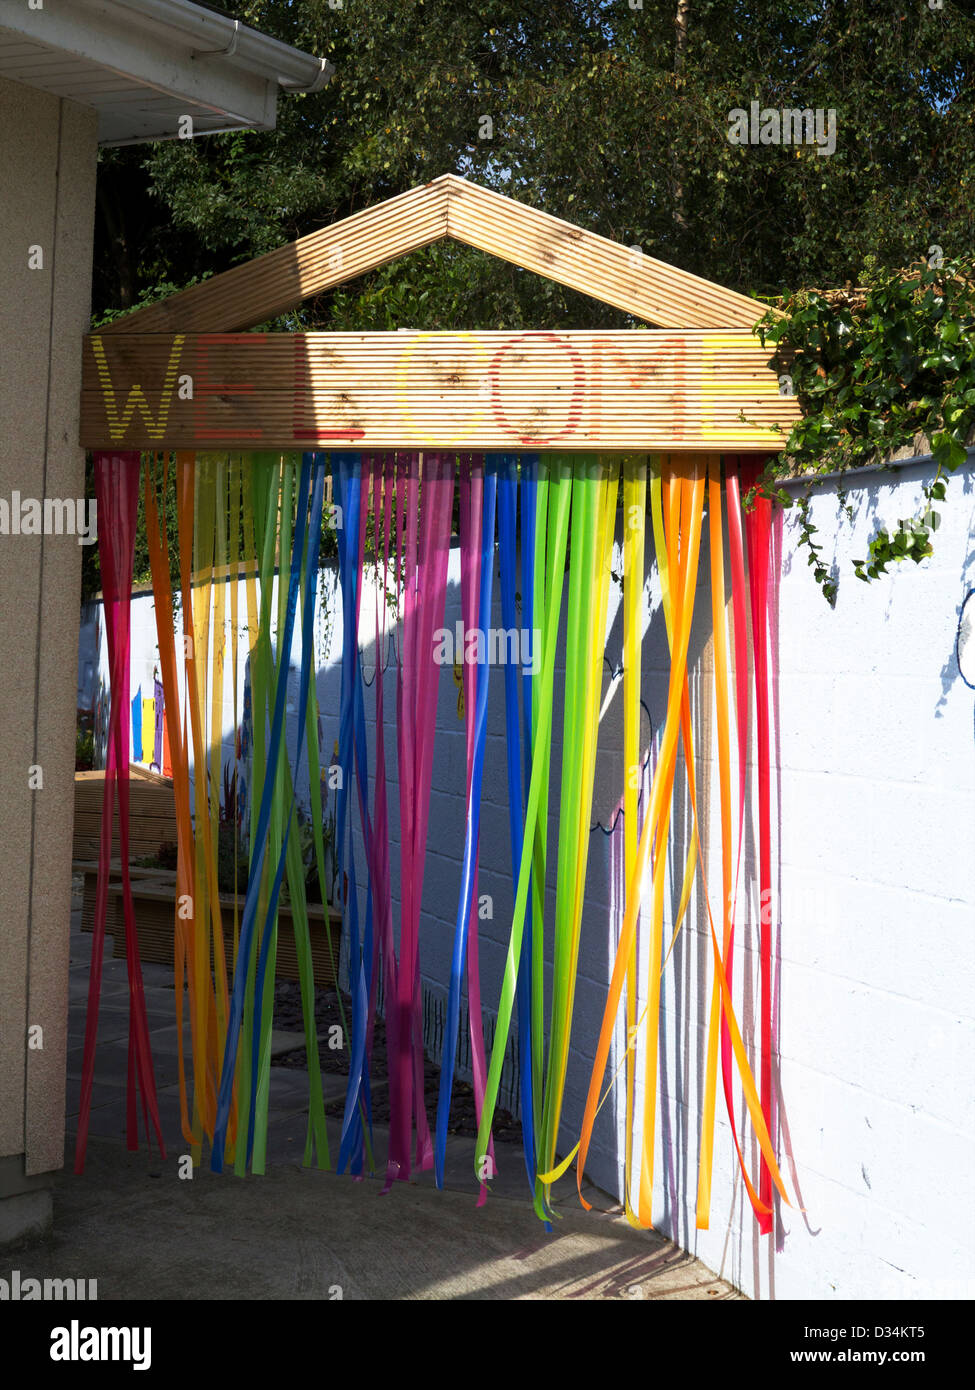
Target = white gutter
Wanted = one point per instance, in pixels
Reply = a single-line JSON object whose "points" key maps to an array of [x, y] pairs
{"points": [[215, 35]]}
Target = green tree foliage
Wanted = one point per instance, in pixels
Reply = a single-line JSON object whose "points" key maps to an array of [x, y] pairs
{"points": [[613, 117], [877, 371]]}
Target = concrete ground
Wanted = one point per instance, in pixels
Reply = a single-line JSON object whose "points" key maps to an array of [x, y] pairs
{"points": [[144, 1233]]}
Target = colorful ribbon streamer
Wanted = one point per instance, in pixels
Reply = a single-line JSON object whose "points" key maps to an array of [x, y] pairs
{"points": [[551, 524], [117, 495]]}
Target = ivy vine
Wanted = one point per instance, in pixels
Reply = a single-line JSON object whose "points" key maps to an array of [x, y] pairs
{"points": [[874, 368]]}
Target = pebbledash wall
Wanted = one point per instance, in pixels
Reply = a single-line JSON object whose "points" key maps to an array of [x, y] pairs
{"points": [[48, 150], [874, 913]]}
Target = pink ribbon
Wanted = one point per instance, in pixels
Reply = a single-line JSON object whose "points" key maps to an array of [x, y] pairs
{"points": [[424, 597]]}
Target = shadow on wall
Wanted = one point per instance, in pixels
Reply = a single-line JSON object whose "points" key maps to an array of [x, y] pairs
{"points": [[965, 640]]}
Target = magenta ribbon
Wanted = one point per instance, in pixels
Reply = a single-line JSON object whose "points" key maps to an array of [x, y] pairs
{"points": [[739, 591], [380, 469], [424, 597], [758, 538], [477, 513]]}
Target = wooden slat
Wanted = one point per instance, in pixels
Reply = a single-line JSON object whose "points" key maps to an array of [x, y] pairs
{"points": [[152, 814], [136, 772], [631, 389], [651, 290], [280, 280]]}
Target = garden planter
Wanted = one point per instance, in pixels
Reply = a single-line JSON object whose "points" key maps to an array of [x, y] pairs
{"points": [[152, 814], [154, 901], [89, 868]]}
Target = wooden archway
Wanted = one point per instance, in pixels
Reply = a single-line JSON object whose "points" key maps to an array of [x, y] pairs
{"points": [[187, 373]]}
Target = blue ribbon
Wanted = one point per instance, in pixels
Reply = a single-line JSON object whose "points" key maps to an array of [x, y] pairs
{"points": [[352, 760], [509, 568]]}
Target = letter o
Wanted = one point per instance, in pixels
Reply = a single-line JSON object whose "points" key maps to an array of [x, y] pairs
{"points": [[575, 403]]}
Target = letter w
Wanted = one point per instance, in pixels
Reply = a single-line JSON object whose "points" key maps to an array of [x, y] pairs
{"points": [[118, 425]]}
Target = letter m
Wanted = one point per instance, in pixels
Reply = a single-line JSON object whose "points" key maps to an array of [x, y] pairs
{"points": [[503, 646], [116, 1344], [798, 127], [58, 1289], [118, 423]]}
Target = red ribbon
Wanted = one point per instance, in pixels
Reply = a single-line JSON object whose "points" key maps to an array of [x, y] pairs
{"points": [[117, 497]]}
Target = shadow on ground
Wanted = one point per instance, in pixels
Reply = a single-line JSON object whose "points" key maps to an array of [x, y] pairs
{"points": [[143, 1232]]}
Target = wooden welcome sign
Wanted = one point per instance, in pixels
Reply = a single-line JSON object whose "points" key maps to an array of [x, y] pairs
{"points": [[600, 391], [162, 377]]}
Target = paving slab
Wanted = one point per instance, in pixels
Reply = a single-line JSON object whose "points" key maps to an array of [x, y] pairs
{"points": [[297, 1234], [144, 1232]]}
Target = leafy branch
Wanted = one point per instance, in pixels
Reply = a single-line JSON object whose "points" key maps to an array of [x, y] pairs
{"points": [[877, 369]]}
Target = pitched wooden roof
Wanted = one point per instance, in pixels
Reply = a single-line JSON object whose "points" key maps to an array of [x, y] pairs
{"points": [[249, 294]]}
